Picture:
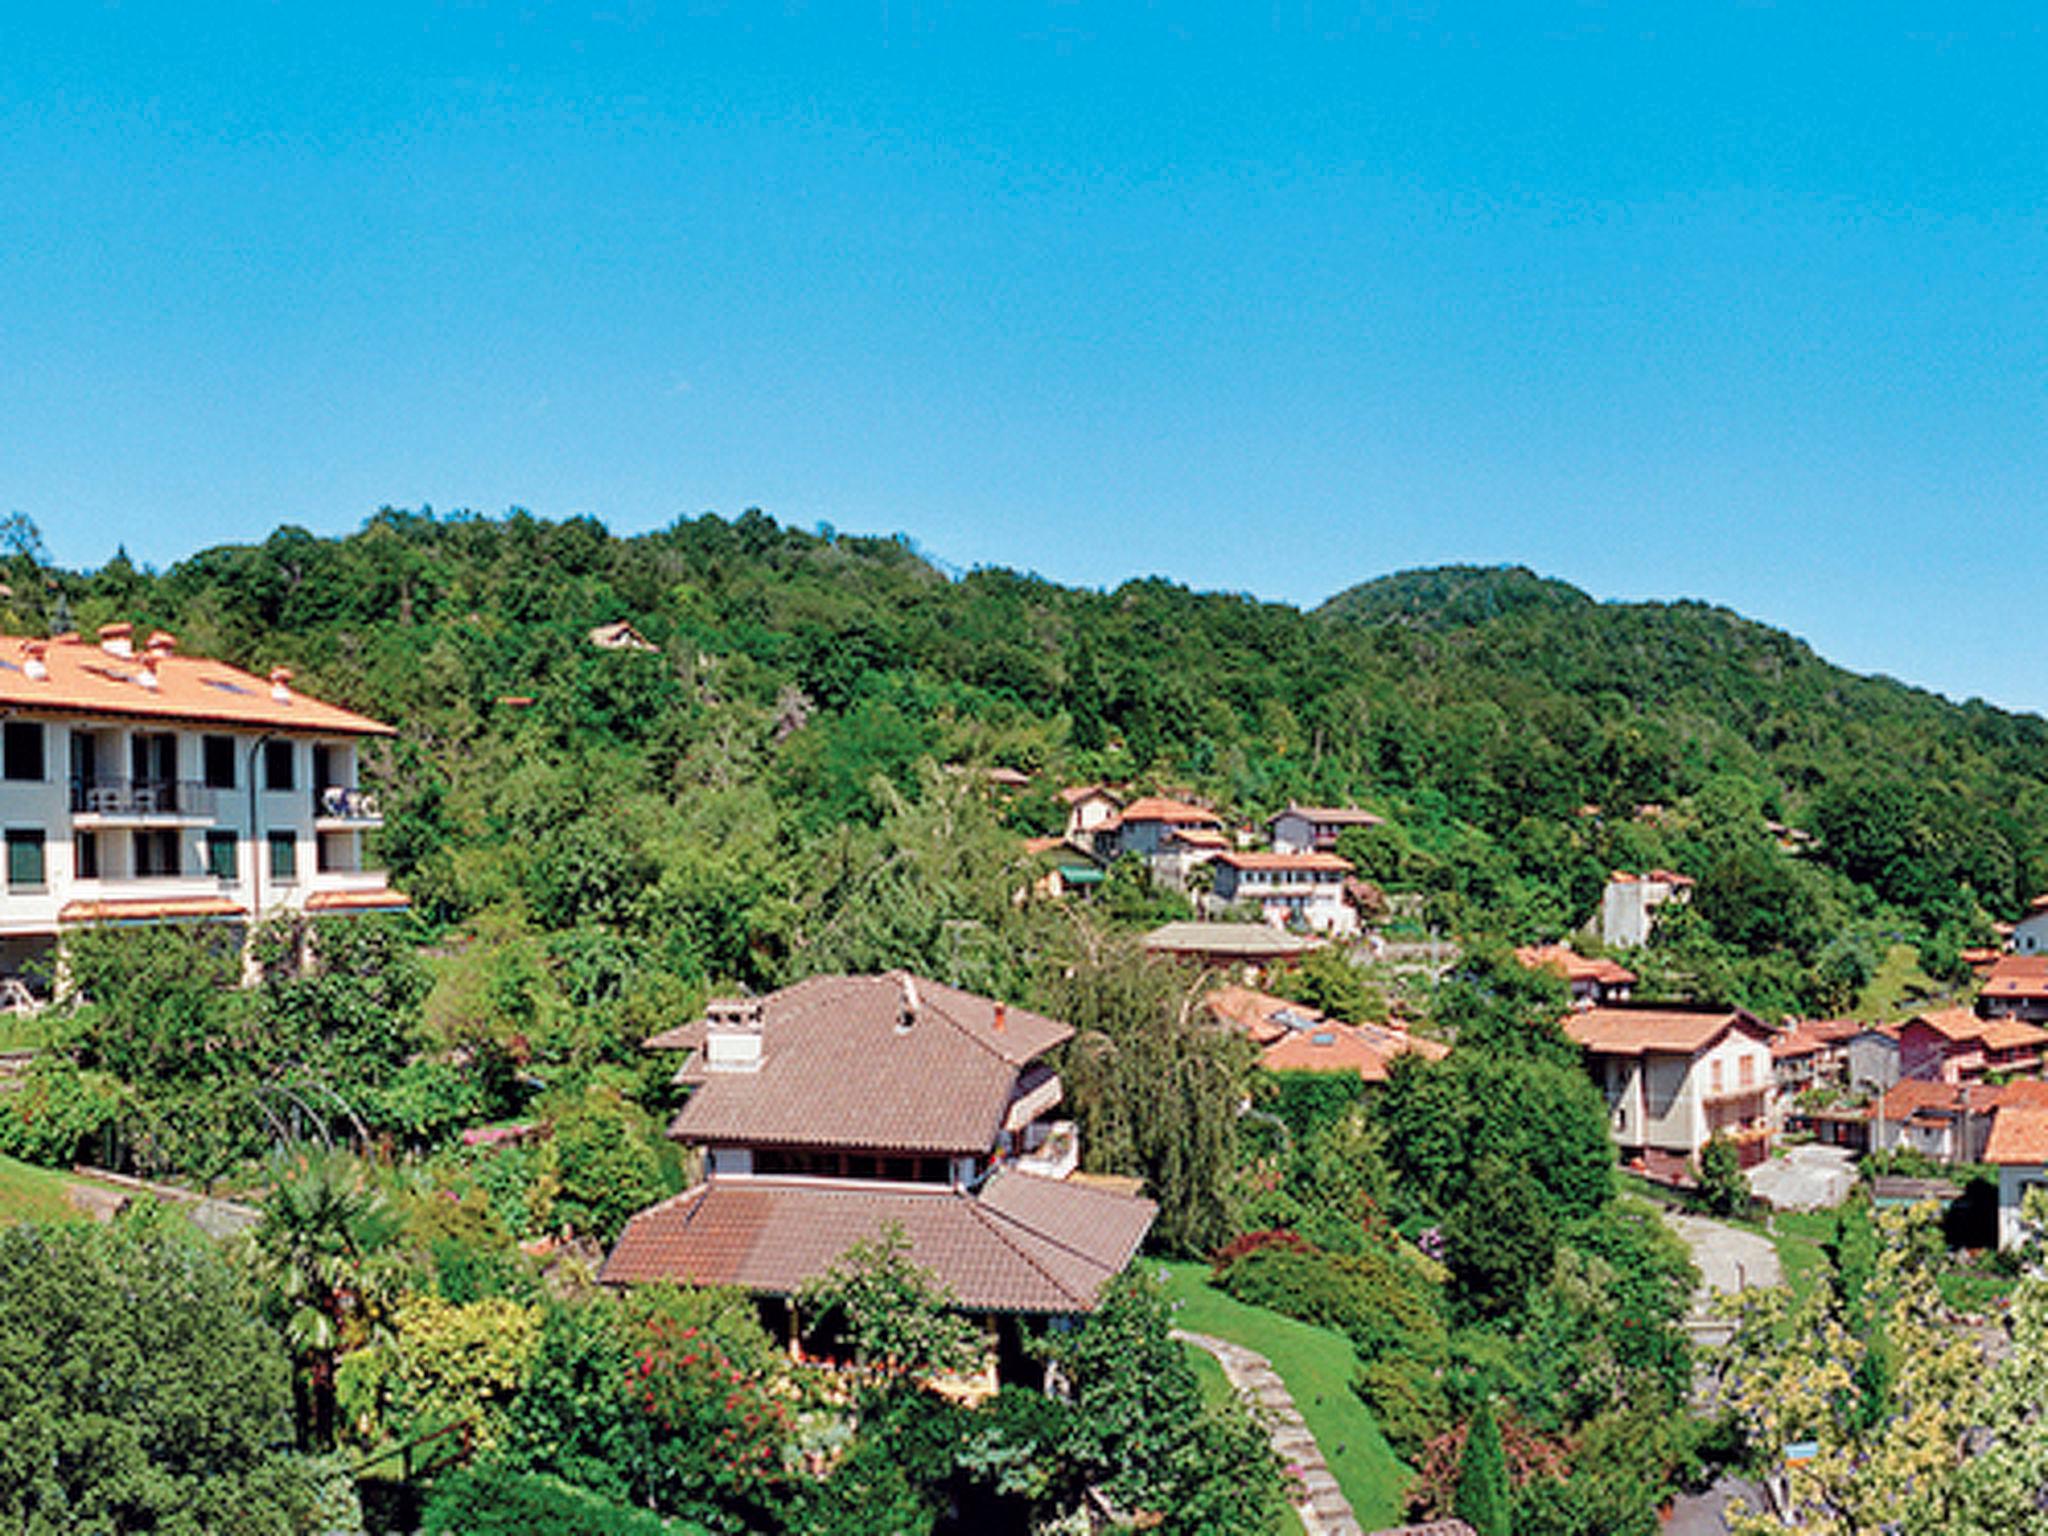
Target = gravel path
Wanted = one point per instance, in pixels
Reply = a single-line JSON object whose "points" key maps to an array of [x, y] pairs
{"points": [[1324, 1510]]}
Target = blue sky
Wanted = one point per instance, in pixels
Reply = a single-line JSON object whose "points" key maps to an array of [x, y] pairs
{"points": [[1732, 301]]}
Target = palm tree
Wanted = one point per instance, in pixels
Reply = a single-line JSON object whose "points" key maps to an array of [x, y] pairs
{"points": [[316, 1252]]}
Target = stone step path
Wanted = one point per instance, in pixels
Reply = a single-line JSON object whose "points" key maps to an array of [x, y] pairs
{"points": [[1323, 1508]]}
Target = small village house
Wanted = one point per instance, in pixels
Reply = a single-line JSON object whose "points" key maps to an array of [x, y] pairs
{"points": [[2018, 1148], [1294, 1037], [1629, 903], [1812, 1053], [1675, 1077], [1291, 890], [2030, 933], [1874, 1057], [1315, 828], [1592, 981], [1956, 1045], [1092, 814], [2016, 988], [1147, 825]]}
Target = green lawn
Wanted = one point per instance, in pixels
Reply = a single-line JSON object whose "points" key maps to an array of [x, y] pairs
{"points": [[1317, 1366], [1799, 1237], [28, 1193]]}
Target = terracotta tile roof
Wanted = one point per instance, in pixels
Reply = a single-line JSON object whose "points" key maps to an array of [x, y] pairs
{"points": [[2019, 1135], [1630, 1029], [1911, 1097], [1038, 845], [1328, 862], [1074, 794], [83, 678], [1574, 966], [679, 1037], [2017, 977], [1009, 778], [1024, 1244], [1366, 1049], [1200, 837], [838, 1071], [140, 909], [1808, 1036], [2014, 1035], [1261, 1015], [1158, 808], [357, 901], [1330, 815], [1960, 1026]]}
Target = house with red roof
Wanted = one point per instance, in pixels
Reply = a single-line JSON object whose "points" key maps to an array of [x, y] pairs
{"points": [[1958, 1045], [1291, 890], [833, 1110], [1592, 981], [2030, 933], [2016, 987], [1812, 1053], [1147, 825], [1675, 1076], [2018, 1147], [143, 784]]}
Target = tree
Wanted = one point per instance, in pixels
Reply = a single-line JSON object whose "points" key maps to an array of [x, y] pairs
{"points": [[137, 1391], [1501, 1241], [1722, 1185], [315, 1253], [1140, 1430], [1484, 1498], [894, 1313]]}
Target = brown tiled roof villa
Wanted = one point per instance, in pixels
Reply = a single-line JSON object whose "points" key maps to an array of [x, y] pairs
{"points": [[1022, 1244], [892, 1062]]}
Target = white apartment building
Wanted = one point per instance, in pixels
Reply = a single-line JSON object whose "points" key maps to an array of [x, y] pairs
{"points": [[144, 785]]}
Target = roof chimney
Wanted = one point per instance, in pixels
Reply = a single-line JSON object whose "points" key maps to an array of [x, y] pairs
{"points": [[37, 669], [117, 639], [162, 641], [1002, 1016], [732, 1034], [145, 675], [281, 685], [909, 1015]]}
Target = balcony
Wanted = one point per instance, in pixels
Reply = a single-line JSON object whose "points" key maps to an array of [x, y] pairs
{"points": [[338, 808], [141, 802]]}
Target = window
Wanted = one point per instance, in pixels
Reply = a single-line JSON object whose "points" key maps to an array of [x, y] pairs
{"points": [[22, 747], [279, 765], [24, 858], [156, 852], [1745, 1071], [1714, 1075], [220, 855], [218, 756], [284, 856], [85, 856]]}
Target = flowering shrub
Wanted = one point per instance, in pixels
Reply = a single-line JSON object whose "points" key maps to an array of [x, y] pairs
{"points": [[1253, 1242], [719, 1429]]}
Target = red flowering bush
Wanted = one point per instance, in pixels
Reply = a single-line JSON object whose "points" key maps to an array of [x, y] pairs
{"points": [[720, 1430], [1253, 1242]]}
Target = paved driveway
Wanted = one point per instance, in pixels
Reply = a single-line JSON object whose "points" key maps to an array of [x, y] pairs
{"points": [[1730, 1258]]}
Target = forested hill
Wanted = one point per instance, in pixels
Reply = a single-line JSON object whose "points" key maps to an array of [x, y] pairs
{"points": [[723, 788]]}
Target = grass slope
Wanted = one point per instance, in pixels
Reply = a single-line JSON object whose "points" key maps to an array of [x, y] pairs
{"points": [[28, 1193], [1317, 1366]]}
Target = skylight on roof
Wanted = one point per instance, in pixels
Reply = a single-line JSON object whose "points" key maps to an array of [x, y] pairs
{"points": [[9, 666], [224, 685]]}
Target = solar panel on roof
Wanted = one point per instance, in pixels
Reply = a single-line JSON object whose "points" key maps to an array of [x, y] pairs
{"points": [[224, 685]]}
